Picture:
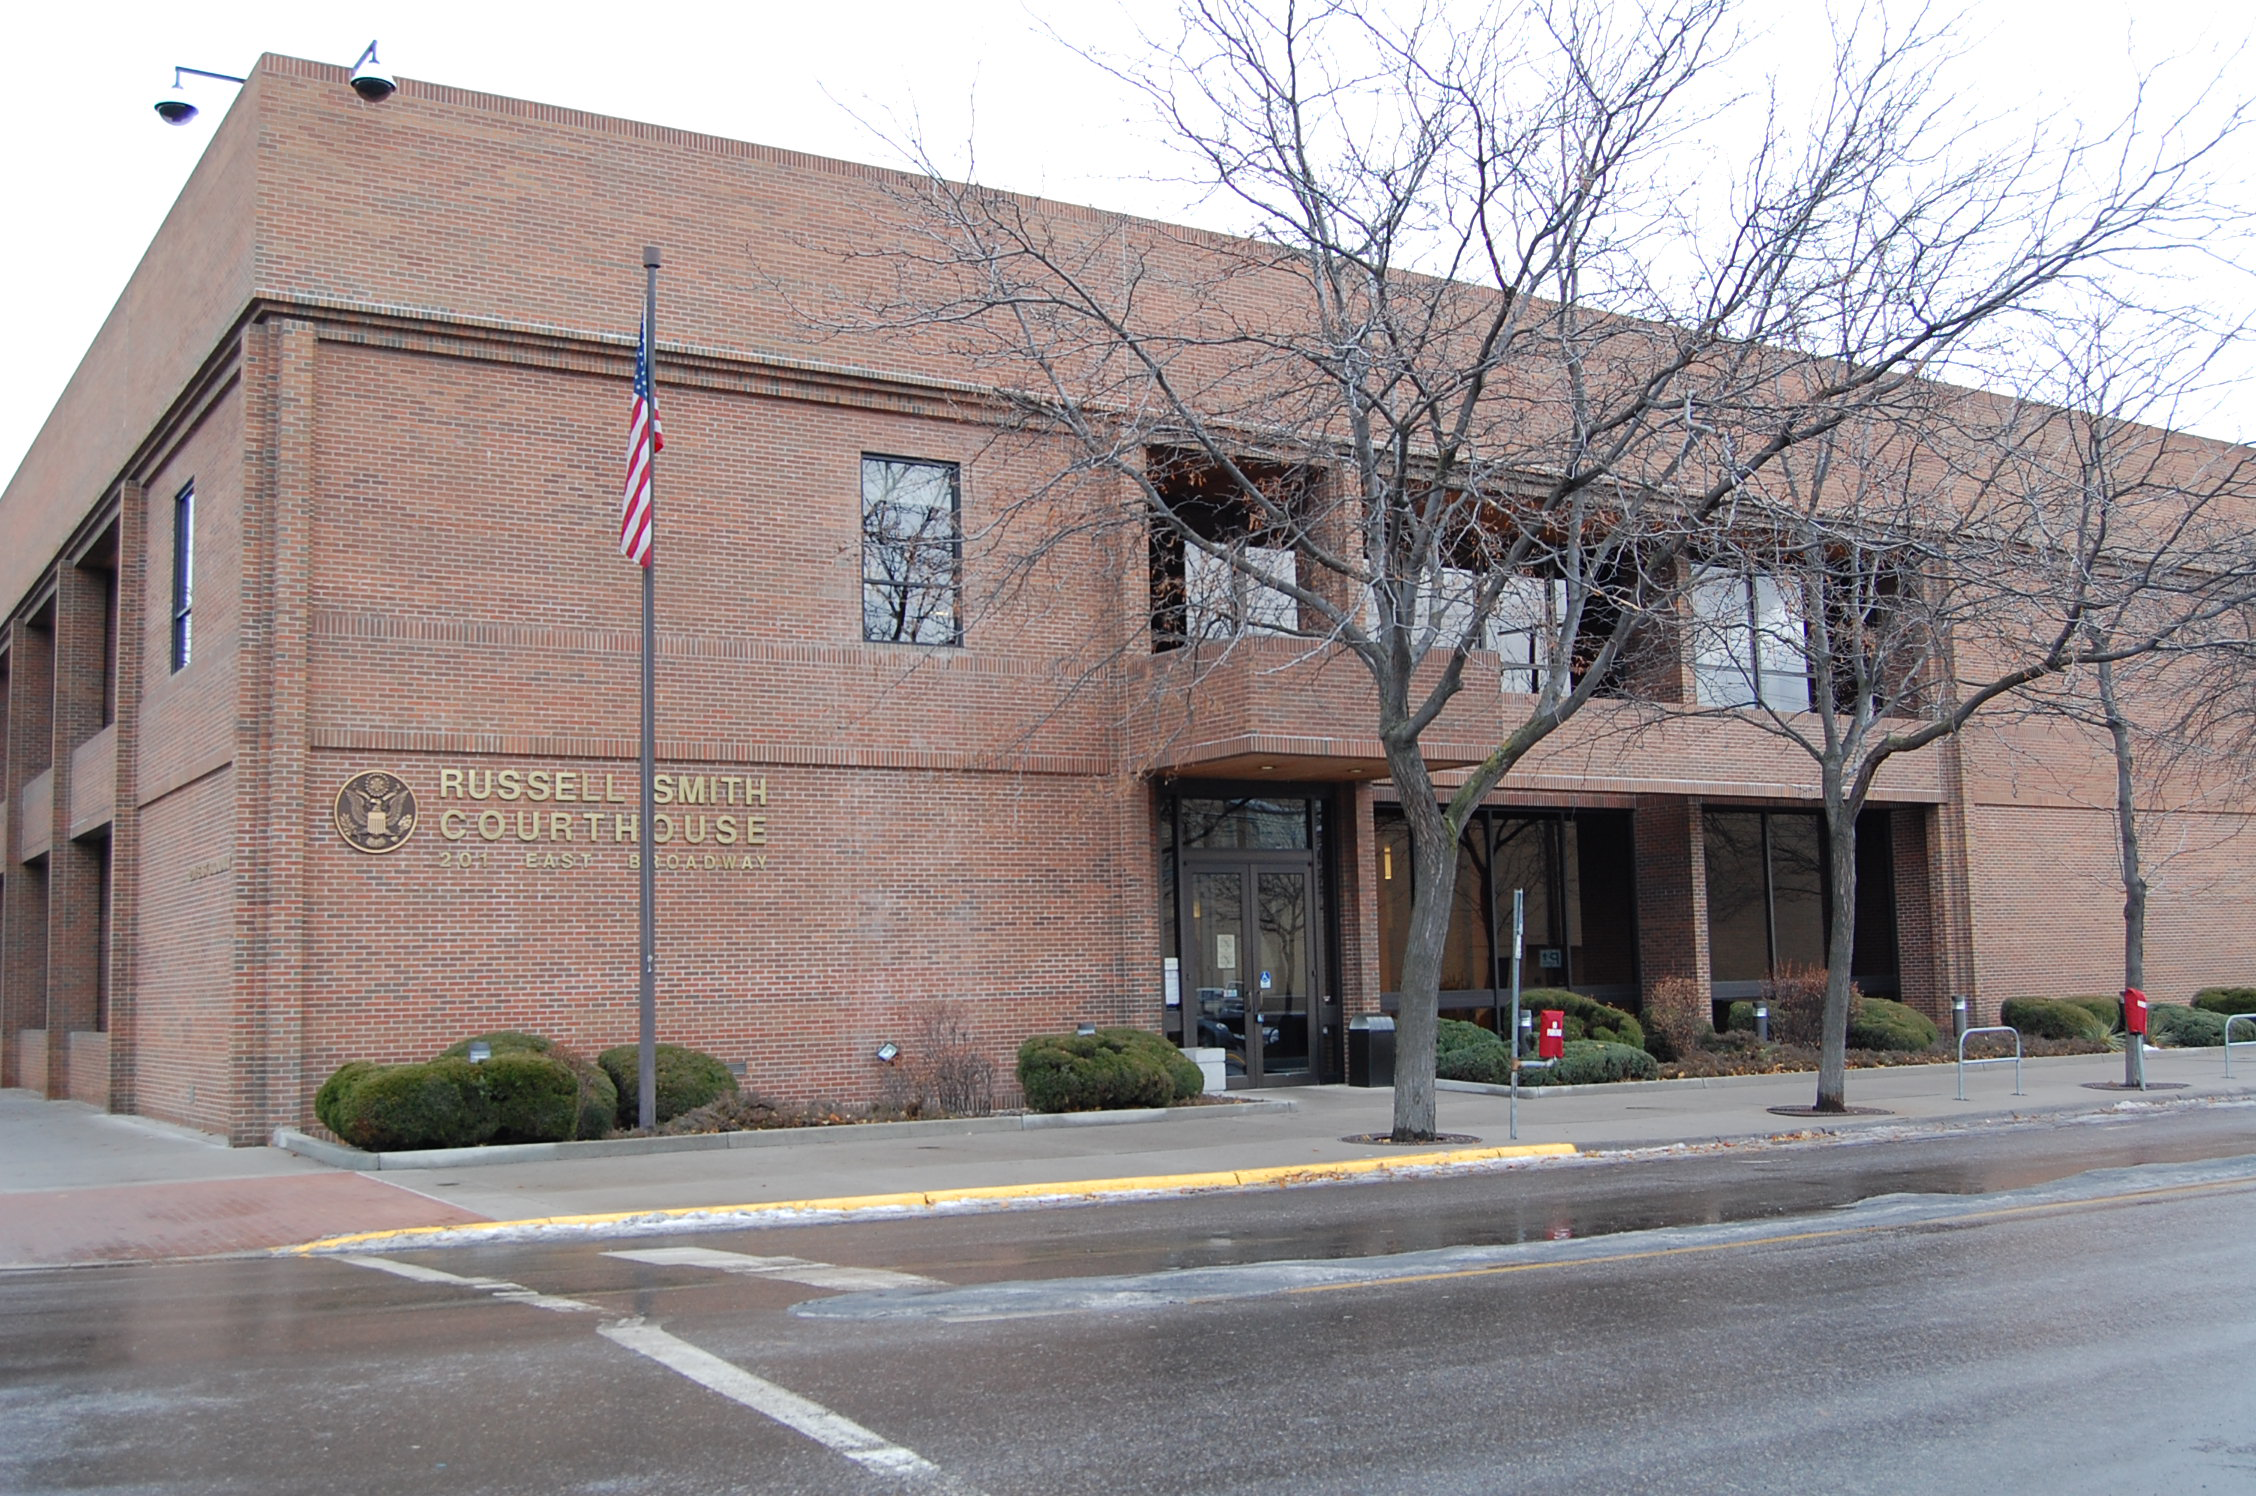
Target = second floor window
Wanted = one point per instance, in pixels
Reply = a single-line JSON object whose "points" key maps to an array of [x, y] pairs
{"points": [[183, 576], [1750, 640], [912, 552]]}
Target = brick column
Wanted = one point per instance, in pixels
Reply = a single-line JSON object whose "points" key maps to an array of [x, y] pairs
{"points": [[272, 824], [1918, 963], [23, 887], [125, 825], [1672, 894], [1358, 915], [74, 869]]}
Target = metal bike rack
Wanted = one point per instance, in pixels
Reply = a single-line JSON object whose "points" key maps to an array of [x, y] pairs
{"points": [[1963, 1061], [2230, 1041]]}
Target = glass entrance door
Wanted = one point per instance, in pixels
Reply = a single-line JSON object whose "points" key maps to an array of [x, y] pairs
{"points": [[1250, 946]]}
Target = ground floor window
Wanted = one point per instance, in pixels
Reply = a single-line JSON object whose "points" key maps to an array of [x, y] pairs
{"points": [[1576, 873], [1770, 897]]}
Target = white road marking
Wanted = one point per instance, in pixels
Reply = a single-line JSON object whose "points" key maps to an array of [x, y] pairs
{"points": [[500, 1288], [833, 1431], [790, 1269]]}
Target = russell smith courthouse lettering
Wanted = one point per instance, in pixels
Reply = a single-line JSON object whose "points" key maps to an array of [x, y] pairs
{"points": [[553, 818]]}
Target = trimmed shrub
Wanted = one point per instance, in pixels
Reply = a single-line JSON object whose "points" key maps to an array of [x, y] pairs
{"points": [[1739, 1018], [500, 1041], [2108, 1010], [1586, 1062], [2049, 1018], [1108, 1070], [329, 1100], [1883, 1023], [1454, 1036], [442, 1104], [535, 1097], [1590, 1062], [2177, 1026], [1587, 1018], [2226, 1000], [687, 1078]]}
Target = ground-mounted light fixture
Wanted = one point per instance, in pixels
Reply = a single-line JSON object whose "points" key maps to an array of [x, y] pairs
{"points": [[174, 108], [1762, 1023], [480, 1051], [1086, 1031], [369, 79], [888, 1052]]}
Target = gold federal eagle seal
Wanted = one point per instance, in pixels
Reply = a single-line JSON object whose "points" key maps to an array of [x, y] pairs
{"points": [[375, 812]]}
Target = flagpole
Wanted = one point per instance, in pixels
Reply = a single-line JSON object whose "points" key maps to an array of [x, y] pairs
{"points": [[646, 1073]]}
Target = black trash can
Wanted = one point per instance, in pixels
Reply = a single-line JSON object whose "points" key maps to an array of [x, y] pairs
{"points": [[1370, 1050]]}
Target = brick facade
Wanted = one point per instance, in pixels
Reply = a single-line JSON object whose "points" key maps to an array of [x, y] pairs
{"points": [[401, 422]]}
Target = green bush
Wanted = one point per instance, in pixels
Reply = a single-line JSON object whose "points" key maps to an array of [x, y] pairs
{"points": [[1586, 1062], [442, 1104], [1454, 1036], [500, 1041], [1883, 1023], [2049, 1018], [535, 1097], [1739, 1017], [2108, 1010], [1587, 1018], [1108, 1070], [687, 1079], [328, 1101], [2178, 1026], [1590, 1062], [2226, 1000]]}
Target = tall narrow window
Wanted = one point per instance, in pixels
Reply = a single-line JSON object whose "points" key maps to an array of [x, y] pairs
{"points": [[1524, 627], [912, 552], [1750, 640], [183, 574]]}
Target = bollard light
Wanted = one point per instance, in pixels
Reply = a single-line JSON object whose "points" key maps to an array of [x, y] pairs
{"points": [[1958, 1013], [1762, 1023]]}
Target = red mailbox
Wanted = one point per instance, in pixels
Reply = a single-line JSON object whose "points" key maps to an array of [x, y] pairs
{"points": [[2134, 1011], [1551, 1034]]}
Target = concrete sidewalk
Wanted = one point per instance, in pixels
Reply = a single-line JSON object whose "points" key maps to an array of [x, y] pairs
{"points": [[77, 1186]]}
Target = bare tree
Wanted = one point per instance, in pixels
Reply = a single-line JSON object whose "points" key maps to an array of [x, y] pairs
{"points": [[1510, 329], [1883, 584]]}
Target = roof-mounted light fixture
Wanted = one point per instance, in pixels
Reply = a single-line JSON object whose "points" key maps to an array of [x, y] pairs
{"points": [[369, 79], [174, 108]]}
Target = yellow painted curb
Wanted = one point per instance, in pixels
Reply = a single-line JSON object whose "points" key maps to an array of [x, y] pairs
{"points": [[1283, 1174]]}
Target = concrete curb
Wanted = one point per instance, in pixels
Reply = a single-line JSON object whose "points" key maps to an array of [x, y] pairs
{"points": [[712, 1216], [344, 1156]]}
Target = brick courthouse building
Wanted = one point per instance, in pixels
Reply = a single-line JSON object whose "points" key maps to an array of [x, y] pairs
{"points": [[321, 713]]}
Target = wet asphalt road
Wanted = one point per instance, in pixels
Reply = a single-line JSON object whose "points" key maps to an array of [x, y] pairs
{"points": [[1705, 1323]]}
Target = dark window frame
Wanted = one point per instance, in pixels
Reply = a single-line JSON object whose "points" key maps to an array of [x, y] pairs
{"points": [[183, 577], [904, 578]]}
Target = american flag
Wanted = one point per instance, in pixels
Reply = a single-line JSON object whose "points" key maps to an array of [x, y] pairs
{"points": [[645, 440]]}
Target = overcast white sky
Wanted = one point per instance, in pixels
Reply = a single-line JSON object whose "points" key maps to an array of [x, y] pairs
{"points": [[88, 170]]}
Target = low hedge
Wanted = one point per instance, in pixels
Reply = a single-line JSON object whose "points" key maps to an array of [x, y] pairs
{"points": [[2226, 1000], [2050, 1018], [1883, 1023], [388, 1108], [1587, 1018], [2182, 1027], [535, 1097], [2108, 1010], [687, 1079], [328, 1102], [1108, 1070], [1586, 1062], [596, 1104], [1455, 1036]]}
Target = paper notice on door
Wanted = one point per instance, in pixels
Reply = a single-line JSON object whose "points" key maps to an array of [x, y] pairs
{"points": [[1226, 952]]}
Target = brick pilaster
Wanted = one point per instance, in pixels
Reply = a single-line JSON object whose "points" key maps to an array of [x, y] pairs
{"points": [[125, 825], [23, 887], [1672, 893], [74, 869]]}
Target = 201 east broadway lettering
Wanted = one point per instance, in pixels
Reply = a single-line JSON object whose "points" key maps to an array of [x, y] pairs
{"points": [[702, 814]]}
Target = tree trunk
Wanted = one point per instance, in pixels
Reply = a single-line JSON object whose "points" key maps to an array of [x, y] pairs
{"points": [[2134, 876], [1840, 953], [1433, 887]]}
